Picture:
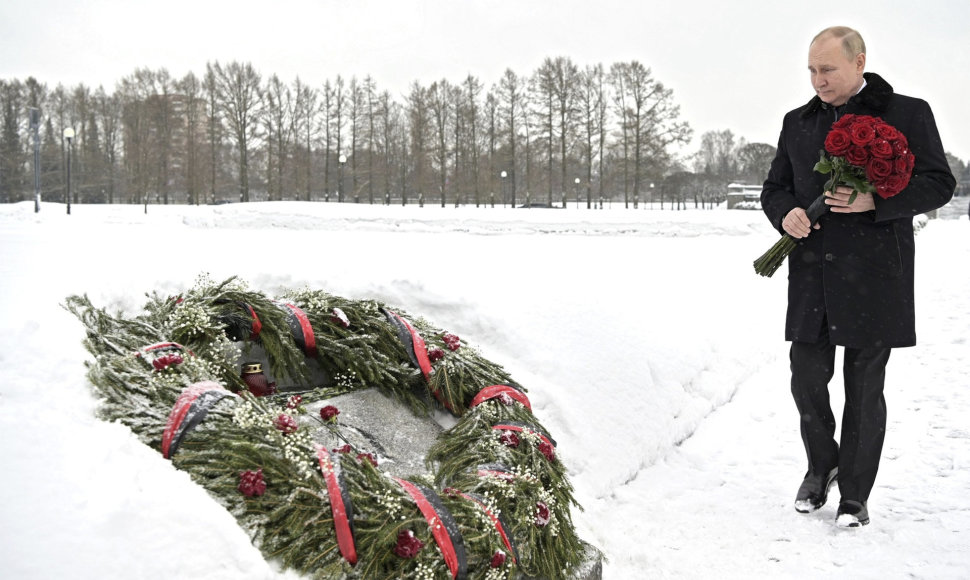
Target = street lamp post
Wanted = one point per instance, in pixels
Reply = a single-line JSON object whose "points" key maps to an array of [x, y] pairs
{"points": [[505, 174], [69, 137], [576, 181], [340, 177]]}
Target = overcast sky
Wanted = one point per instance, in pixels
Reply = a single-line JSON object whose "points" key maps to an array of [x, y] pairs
{"points": [[738, 64]]}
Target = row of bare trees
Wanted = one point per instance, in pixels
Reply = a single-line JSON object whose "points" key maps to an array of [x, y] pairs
{"points": [[563, 132]]}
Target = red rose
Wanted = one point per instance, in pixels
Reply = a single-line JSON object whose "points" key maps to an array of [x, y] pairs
{"points": [[294, 402], [891, 186], [843, 122], [881, 148], [369, 458], [862, 133], [286, 423], [498, 559], [451, 341], [408, 545], [886, 131], [837, 142], [342, 449], [548, 450], [542, 515], [900, 165], [251, 483], [509, 439], [900, 146], [878, 169], [436, 354], [329, 414], [857, 156]]}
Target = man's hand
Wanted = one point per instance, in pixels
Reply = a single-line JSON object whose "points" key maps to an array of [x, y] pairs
{"points": [[838, 201], [797, 224]]}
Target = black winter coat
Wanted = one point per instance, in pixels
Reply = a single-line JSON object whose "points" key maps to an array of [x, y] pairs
{"points": [[857, 270]]}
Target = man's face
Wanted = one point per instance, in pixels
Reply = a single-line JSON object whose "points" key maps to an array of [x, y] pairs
{"points": [[834, 77]]}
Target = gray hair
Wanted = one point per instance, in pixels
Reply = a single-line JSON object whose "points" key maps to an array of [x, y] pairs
{"points": [[852, 43]]}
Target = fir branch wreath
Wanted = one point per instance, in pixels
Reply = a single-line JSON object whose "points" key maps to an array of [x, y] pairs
{"points": [[496, 505]]}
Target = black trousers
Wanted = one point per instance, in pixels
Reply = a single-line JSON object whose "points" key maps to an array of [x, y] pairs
{"points": [[863, 417]]}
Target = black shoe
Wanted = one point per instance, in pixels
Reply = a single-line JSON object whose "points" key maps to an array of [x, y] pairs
{"points": [[814, 491], [852, 514]]}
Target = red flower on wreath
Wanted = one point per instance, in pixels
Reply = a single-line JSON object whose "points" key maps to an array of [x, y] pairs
{"points": [[548, 450], [294, 402], [368, 457], [251, 483], [435, 354], [329, 414], [542, 515], [286, 424], [498, 559], [451, 341], [509, 439], [408, 545], [342, 449]]}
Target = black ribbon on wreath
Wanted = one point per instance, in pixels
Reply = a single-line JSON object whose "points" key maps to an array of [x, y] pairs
{"points": [[498, 521], [189, 410]]}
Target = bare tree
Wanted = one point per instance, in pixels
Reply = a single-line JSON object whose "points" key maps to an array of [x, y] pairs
{"points": [[439, 103], [419, 124], [649, 120], [214, 128], [511, 95], [591, 98], [355, 113], [240, 99], [337, 103], [193, 120], [716, 155], [279, 113], [544, 101], [370, 135], [306, 110]]}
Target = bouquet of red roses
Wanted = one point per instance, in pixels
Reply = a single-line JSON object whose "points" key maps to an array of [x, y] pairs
{"points": [[861, 152]]}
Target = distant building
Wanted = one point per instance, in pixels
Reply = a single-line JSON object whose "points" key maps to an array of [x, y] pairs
{"points": [[741, 196]]}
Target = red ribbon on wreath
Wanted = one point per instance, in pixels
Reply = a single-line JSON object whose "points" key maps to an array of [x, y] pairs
{"points": [[300, 329], [497, 521], [417, 349], [190, 408], [444, 529], [340, 505], [494, 391], [257, 326]]}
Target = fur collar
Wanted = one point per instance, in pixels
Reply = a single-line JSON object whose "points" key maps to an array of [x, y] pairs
{"points": [[876, 95]]}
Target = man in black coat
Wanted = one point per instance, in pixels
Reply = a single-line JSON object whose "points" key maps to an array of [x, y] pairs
{"points": [[850, 278]]}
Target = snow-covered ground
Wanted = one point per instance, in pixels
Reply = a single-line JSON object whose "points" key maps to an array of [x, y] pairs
{"points": [[650, 348]]}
